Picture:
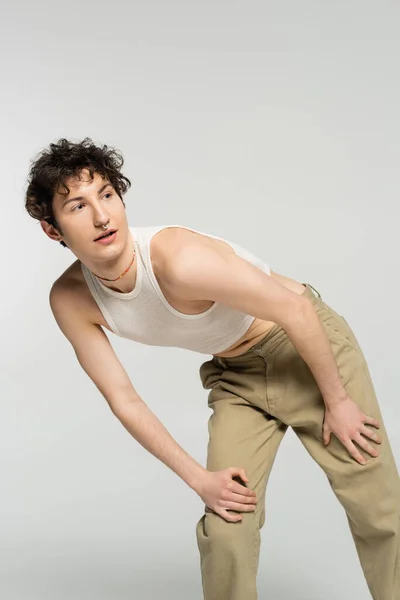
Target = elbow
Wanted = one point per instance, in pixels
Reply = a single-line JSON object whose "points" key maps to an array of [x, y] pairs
{"points": [[297, 314], [119, 403]]}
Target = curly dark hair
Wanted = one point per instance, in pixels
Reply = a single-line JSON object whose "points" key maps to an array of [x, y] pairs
{"points": [[53, 166]]}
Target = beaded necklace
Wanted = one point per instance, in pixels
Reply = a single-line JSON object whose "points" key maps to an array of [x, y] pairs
{"points": [[122, 274]]}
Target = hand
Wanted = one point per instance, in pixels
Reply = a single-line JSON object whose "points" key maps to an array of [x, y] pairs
{"points": [[220, 493], [348, 423]]}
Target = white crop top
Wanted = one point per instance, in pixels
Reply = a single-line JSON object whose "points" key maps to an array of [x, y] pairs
{"points": [[144, 315]]}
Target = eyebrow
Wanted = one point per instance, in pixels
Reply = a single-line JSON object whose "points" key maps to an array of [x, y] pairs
{"points": [[82, 198]]}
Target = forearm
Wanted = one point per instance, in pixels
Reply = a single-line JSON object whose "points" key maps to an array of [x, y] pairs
{"points": [[147, 429], [308, 336]]}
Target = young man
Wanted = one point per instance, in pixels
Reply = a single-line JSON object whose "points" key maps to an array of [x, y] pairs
{"points": [[280, 357]]}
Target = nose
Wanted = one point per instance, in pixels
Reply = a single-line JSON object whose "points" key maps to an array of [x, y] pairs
{"points": [[102, 222], [101, 217]]}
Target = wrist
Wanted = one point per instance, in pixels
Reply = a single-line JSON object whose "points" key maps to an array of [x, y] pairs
{"points": [[336, 400], [197, 478]]}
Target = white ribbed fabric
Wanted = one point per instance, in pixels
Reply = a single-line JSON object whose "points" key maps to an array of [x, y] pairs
{"points": [[144, 315]]}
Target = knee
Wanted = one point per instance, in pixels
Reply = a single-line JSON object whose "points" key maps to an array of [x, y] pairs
{"points": [[213, 530]]}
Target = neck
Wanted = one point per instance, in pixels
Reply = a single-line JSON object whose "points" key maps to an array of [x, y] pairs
{"points": [[113, 268], [126, 283]]}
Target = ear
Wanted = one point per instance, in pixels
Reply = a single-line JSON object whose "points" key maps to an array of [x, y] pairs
{"points": [[50, 231]]}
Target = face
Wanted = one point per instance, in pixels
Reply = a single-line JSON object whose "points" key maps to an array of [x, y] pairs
{"points": [[89, 204]]}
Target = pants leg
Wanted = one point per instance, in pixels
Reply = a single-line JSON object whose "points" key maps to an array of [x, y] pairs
{"points": [[369, 494], [241, 434]]}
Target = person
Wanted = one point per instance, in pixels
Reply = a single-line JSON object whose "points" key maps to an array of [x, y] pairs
{"points": [[279, 357]]}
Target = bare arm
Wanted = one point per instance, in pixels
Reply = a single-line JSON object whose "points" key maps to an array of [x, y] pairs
{"points": [[200, 272], [98, 359]]}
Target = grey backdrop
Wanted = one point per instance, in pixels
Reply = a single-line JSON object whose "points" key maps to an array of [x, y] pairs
{"points": [[275, 124]]}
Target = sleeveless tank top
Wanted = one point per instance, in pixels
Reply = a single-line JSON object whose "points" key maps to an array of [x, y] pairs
{"points": [[144, 314]]}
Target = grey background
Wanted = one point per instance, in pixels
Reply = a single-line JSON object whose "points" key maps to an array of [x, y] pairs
{"points": [[274, 124]]}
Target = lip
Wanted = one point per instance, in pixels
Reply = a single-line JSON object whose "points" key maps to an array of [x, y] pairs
{"points": [[106, 241]]}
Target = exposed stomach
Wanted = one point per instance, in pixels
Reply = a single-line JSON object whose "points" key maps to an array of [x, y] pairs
{"points": [[259, 328]]}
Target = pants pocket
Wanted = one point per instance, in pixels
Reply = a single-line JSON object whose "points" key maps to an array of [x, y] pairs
{"points": [[338, 325], [210, 373]]}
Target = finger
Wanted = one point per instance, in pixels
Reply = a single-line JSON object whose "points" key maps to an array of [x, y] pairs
{"points": [[234, 471], [370, 434], [241, 489], [229, 516], [238, 506], [354, 452], [242, 499], [371, 421], [243, 475], [326, 437], [361, 441]]}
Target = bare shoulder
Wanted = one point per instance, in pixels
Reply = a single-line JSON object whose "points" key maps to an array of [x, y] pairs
{"points": [[185, 262], [71, 276], [172, 242], [70, 293]]}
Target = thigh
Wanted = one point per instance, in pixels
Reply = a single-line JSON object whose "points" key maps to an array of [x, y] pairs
{"points": [[241, 433], [300, 400], [376, 484]]}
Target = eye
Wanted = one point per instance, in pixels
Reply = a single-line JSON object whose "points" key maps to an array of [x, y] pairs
{"points": [[76, 207], [108, 194]]}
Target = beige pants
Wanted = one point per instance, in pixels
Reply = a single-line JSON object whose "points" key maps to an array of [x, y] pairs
{"points": [[254, 398]]}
